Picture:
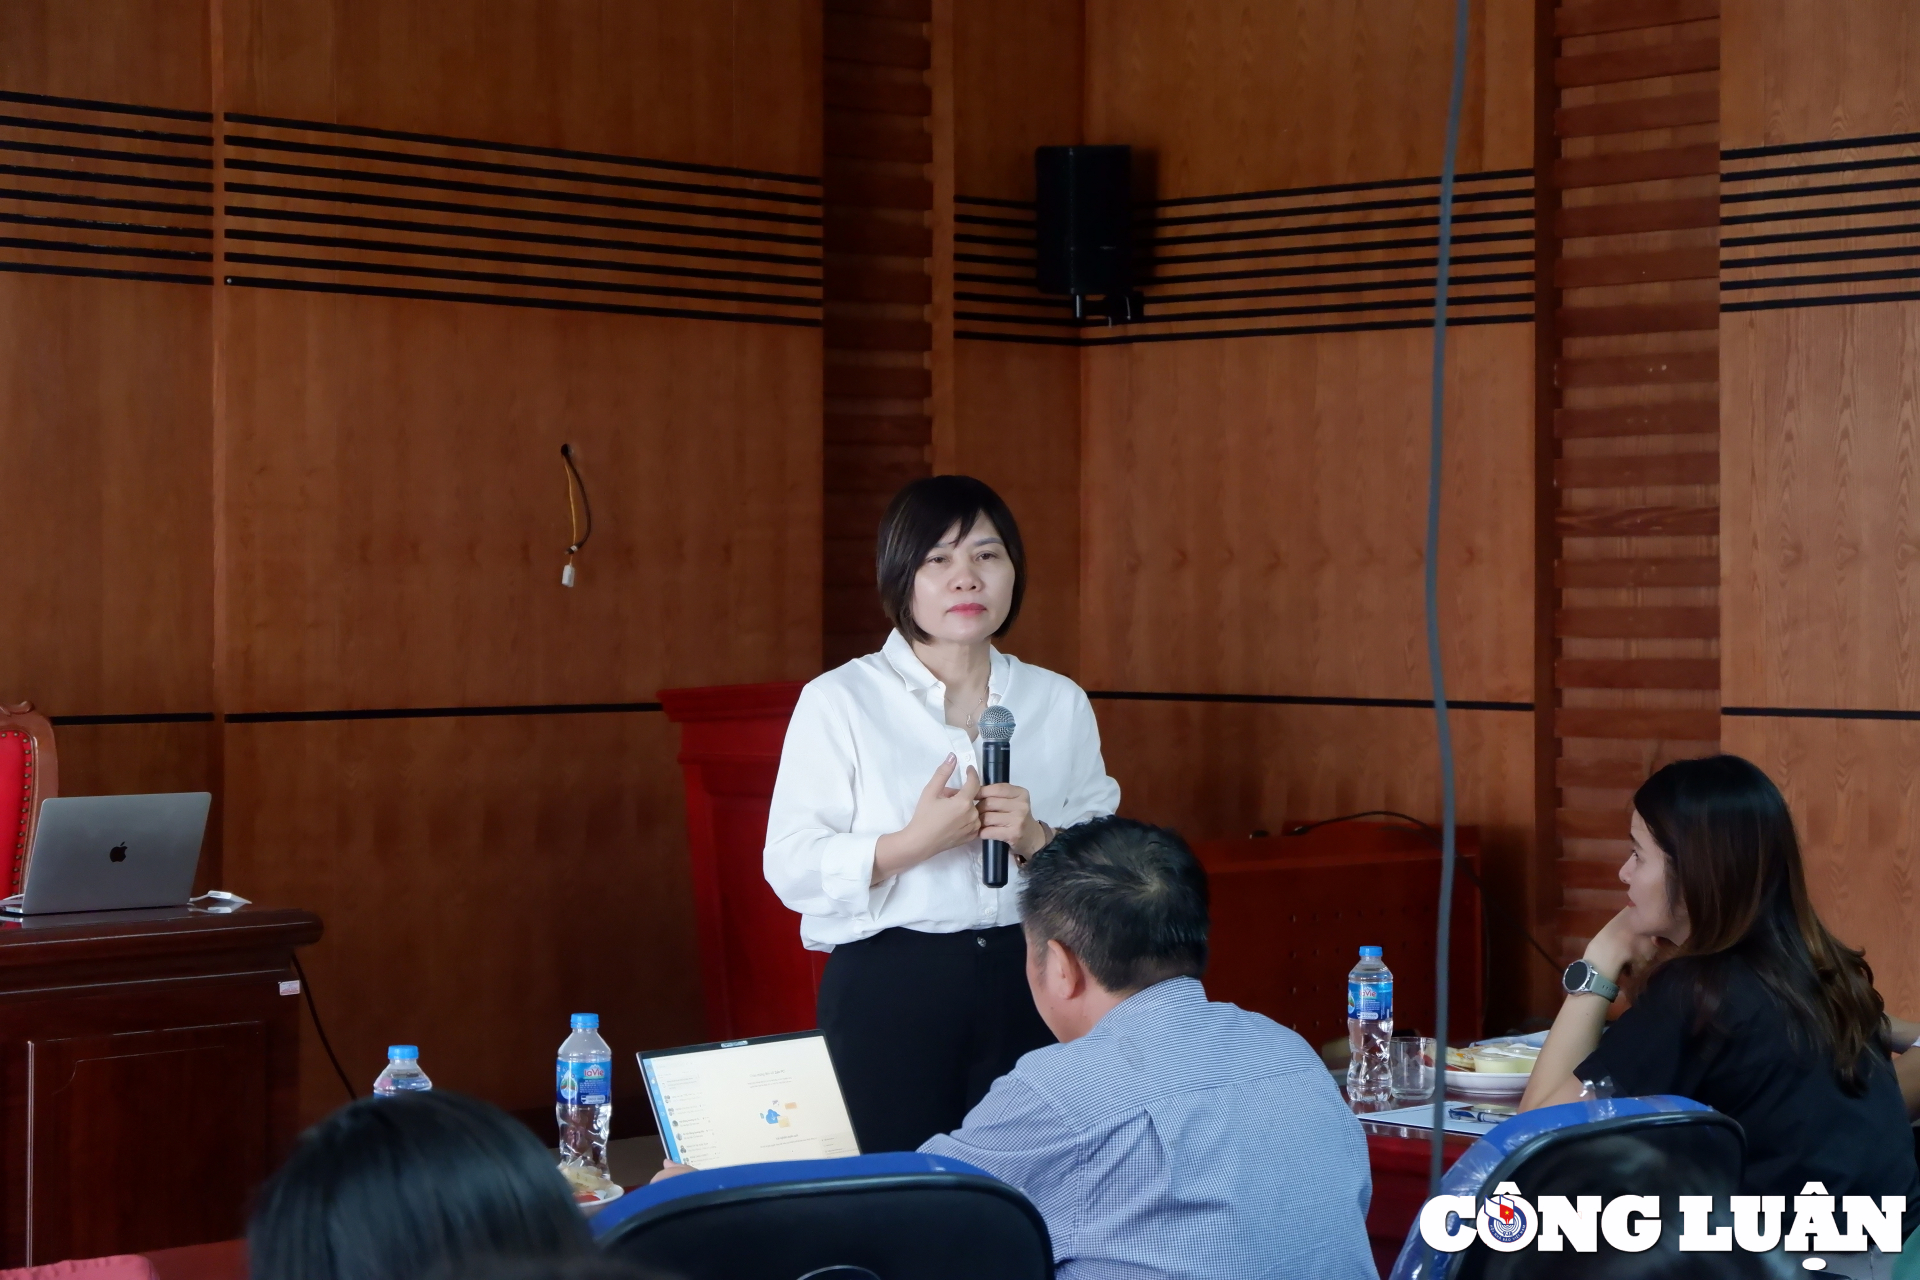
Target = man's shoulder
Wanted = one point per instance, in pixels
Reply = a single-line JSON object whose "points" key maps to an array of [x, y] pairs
{"points": [[1183, 1046]]}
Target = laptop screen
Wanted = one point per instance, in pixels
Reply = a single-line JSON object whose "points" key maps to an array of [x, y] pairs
{"points": [[749, 1101]]}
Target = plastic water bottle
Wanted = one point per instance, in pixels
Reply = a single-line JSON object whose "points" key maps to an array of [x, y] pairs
{"points": [[1369, 1028], [583, 1080], [403, 1073]]}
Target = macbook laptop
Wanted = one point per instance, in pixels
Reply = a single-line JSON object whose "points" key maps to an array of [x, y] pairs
{"points": [[110, 853], [749, 1101]]}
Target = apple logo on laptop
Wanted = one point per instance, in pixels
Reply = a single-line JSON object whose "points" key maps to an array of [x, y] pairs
{"points": [[117, 854]]}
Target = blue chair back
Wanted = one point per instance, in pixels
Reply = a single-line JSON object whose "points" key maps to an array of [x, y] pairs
{"points": [[893, 1216], [1605, 1147]]}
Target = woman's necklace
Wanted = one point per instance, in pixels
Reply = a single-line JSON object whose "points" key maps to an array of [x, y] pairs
{"points": [[973, 716]]}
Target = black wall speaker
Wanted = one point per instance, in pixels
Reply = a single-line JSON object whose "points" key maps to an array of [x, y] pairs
{"points": [[1083, 214]]}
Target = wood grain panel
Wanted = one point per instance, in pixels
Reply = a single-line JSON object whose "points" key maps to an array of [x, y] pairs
{"points": [[398, 508], [1821, 411], [1684, 417], [104, 410], [153, 52], [1852, 787], [1632, 115], [480, 879], [674, 79], [1306, 566], [1797, 73], [1209, 87], [1591, 17]]}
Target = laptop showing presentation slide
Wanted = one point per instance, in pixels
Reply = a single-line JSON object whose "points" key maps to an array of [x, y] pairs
{"points": [[749, 1101], [112, 853]]}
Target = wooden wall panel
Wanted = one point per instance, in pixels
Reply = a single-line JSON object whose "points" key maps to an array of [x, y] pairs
{"points": [[1276, 489], [481, 878], [666, 79], [398, 504], [287, 503], [1851, 785], [1012, 80], [1819, 405]]}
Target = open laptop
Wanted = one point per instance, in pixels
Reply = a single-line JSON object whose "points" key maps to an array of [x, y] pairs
{"points": [[749, 1101], [111, 853]]}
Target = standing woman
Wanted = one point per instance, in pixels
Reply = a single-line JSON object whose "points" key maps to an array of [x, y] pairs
{"points": [[878, 816]]}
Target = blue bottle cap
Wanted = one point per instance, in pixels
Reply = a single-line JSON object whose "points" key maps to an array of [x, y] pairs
{"points": [[1370, 953], [585, 1022], [407, 1052]]}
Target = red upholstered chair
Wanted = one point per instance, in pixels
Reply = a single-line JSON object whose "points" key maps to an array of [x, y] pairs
{"points": [[28, 775]]}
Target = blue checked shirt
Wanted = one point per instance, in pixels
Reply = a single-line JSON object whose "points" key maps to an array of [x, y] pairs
{"points": [[1182, 1139]]}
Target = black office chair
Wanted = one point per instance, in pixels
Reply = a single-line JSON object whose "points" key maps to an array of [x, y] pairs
{"points": [[894, 1216], [1629, 1146]]}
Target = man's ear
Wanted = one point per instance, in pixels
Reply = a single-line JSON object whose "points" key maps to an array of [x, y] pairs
{"points": [[1066, 975]]}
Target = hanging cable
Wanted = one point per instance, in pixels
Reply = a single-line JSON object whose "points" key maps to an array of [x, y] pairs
{"points": [[574, 531], [306, 989], [1436, 432]]}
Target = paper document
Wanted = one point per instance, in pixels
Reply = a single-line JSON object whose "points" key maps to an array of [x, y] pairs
{"points": [[749, 1101], [1421, 1117]]}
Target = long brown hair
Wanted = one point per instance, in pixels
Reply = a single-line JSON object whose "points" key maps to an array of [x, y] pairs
{"points": [[1734, 863]]}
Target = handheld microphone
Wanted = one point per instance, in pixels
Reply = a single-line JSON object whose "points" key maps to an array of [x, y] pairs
{"points": [[996, 761]]}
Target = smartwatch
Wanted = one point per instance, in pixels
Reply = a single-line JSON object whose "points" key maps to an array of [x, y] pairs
{"points": [[1582, 979]]}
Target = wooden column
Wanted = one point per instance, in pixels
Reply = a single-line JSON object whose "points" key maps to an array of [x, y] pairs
{"points": [[1637, 621]]}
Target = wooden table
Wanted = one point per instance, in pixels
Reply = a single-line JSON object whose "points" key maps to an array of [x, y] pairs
{"points": [[149, 1068]]}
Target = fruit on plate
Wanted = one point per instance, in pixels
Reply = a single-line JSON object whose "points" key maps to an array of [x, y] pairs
{"points": [[1498, 1059], [588, 1184]]}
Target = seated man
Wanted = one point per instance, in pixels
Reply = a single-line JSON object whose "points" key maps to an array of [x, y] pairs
{"points": [[1165, 1135]]}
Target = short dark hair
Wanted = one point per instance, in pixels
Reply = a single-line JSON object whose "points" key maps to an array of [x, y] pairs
{"points": [[407, 1185], [1127, 897], [919, 516]]}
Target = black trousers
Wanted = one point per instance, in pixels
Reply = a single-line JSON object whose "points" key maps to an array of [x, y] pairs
{"points": [[920, 1025]]}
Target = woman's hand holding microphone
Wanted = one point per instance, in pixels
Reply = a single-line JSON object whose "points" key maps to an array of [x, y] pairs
{"points": [[946, 817]]}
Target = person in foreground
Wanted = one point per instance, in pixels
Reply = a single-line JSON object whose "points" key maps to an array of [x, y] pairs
{"points": [[412, 1186], [1165, 1136], [1747, 1003]]}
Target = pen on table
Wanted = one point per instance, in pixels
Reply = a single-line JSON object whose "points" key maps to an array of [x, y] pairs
{"points": [[1484, 1115]]}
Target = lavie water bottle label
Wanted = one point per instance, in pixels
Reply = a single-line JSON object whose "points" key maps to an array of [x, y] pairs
{"points": [[1370, 1001], [584, 1084]]}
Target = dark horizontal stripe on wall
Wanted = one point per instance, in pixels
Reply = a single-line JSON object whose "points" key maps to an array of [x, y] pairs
{"points": [[1252, 313], [438, 713], [103, 179], [100, 153], [1825, 144], [107, 250], [517, 193], [1793, 274], [108, 108], [1820, 713], [1384, 184], [516, 237], [515, 170], [557, 153], [500, 211], [93, 224], [1359, 326], [1302, 700], [1844, 277], [103, 130], [101, 273], [510, 300], [466, 253], [1828, 300], [532, 282], [160, 717]]}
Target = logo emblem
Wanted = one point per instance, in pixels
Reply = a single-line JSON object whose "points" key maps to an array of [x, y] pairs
{"points": [[117, 854], [1507, 1220]]}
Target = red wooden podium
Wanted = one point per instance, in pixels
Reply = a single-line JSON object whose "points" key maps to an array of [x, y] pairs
{"points": [[756, 977]]}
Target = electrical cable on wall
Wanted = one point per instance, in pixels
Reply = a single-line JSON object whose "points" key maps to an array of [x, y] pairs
{"points": [[306, 989], [574, 531], [1436, 430]]}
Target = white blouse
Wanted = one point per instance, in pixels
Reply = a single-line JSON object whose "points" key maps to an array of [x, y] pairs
{"points": [[862, 743]]}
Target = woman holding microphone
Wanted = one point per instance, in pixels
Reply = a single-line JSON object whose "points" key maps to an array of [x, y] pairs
{"points": [[878, 815]]}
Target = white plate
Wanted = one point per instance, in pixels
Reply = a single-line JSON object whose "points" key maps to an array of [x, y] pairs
{"points": [[601, 1200], [1488, 1084]]}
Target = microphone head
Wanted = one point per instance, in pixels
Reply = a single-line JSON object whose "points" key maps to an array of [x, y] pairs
{"points": [[996, 725]]}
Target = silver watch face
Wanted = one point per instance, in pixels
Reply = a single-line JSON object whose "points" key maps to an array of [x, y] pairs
{"points": [[1575, 979]]}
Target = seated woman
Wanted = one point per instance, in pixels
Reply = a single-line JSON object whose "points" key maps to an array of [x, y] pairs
{"points": [[411, 1186], [1748, 1003]]}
